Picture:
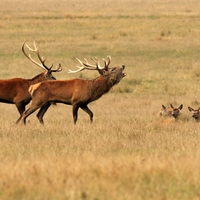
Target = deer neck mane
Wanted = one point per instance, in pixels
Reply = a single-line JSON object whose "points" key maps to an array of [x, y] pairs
{"points": [[36, 79], [99, 86]]}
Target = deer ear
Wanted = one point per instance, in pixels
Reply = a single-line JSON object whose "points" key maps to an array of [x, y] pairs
{"points": [[180, 107], [190, 109], [102, 72], [163, 107]]}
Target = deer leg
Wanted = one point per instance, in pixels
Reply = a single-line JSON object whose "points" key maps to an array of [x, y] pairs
{"points": [[75, 112], [21, 109], [42, 111], [27, 113], [88, 111]]}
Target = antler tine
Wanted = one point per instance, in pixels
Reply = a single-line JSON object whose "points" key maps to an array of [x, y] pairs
{"points": [[78, 70], [42, 60], [59, 68], [36, 47], [84, 59], [88, 65], [51, 67], [107, 63], [96, 60], [80, 61], [36, 50], [85, 65], [28, 55], [109, 60], [23, 50]]}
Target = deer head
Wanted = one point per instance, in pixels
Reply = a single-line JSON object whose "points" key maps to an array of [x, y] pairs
{"points": [[114, 75], [170, 111], [196, 113]]}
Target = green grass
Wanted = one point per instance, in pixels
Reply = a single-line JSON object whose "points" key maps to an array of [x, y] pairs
{"points": [[128, 152]]}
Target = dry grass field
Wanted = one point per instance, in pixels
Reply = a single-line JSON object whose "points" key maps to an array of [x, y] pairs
{"points": [[128, 152]]}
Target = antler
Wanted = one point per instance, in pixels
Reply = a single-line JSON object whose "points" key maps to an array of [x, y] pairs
{"points": [[107, 63], [41, 59], [59, 69], [96, 66]]}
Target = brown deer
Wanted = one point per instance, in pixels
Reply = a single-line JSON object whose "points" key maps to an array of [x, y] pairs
{"points": [[15, 91], [196, 113], [170, 112], [76, 92]]}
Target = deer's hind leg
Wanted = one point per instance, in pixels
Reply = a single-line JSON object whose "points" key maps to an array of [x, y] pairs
{"points": [[21, 108], [42, 111], [28, 112]]}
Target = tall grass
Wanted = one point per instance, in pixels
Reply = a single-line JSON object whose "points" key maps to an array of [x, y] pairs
{"points": [[127, 153]]}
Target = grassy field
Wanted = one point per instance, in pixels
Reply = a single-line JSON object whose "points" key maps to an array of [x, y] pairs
{"points": [[127, 153]]}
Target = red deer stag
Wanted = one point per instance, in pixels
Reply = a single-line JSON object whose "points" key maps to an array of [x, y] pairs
{"points": [[196, 113], [15, 91], [76, 92]]}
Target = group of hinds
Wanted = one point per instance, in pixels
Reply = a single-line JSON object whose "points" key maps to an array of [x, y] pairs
{"points": [[45, 90], [173, 113]]}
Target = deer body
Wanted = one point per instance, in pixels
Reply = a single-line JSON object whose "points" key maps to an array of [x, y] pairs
{"points": [[70, 91], [15, 91], [15, 88], [76, 92]]}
